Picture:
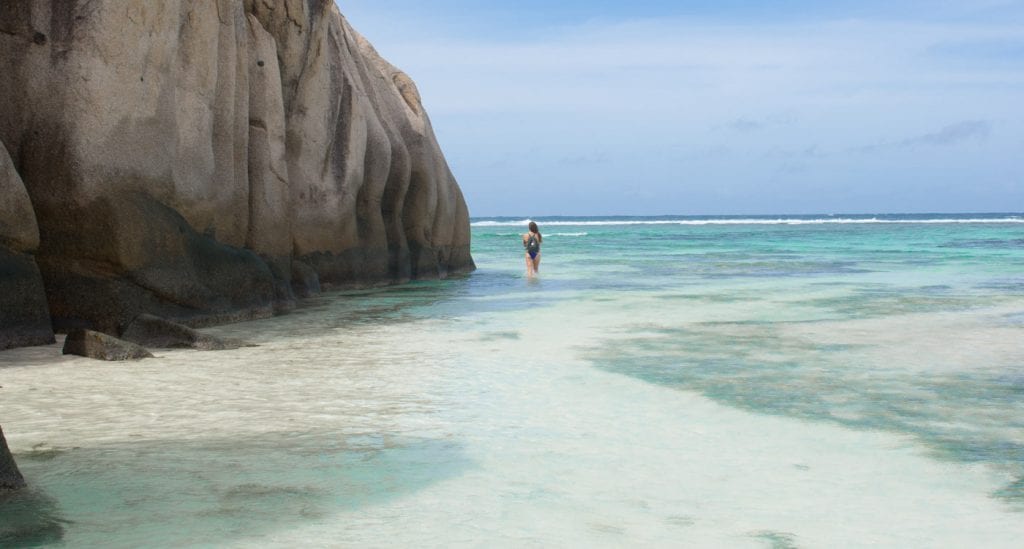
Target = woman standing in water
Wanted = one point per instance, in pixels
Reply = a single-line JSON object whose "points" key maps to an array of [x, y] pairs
{"points": [[531, 241]]}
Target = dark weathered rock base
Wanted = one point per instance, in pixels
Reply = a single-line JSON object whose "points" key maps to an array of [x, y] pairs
{"points": [[24, 317], [155, 332], [10, 476], [171, 270]]}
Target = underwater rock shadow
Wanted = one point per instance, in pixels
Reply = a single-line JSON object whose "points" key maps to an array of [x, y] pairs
{"points": [[465, 297], [184, 492], [725, 362], [29, 518]]}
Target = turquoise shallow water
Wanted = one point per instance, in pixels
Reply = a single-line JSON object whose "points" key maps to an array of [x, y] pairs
{"points": [[764, 382], [779, 313]]}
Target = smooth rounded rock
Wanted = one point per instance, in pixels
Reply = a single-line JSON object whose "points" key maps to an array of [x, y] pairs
{"points": [[24, 315]]}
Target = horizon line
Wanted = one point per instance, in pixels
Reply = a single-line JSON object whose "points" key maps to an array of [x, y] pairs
{"points": [[773, 214]]}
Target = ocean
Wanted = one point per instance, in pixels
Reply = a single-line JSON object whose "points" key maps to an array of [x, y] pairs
{"points": [[721, 381]]}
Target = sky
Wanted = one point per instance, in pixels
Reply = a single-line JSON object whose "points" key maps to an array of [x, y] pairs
{"points": [[651, 107]]}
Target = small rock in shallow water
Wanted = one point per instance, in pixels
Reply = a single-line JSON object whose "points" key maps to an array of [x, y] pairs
{"points": [[153, 331], [101, 346]]}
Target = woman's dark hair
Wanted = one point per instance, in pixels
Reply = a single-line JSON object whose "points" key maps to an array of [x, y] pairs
{"points": [[534, 229]]}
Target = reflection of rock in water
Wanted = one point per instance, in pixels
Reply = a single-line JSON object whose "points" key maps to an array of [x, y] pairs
{"points": [[29, 518], [136, 494], [10, 477]]}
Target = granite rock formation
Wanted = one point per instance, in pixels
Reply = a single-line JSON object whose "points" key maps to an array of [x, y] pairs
{"points": [[10, 476], [101, 346], [24, 318], [189, 158]]}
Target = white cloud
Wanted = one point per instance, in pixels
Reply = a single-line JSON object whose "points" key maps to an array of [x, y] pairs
{"points": [[650, 99], [653, 65]]}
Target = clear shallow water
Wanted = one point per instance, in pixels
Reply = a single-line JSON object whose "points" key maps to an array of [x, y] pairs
{"points": [[771, 382]]}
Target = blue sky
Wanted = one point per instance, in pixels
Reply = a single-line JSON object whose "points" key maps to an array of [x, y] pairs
{"points": [[727, 107]]}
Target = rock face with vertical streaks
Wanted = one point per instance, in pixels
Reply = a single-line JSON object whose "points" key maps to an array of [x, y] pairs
{"points": [[24, 318], [189, 158]]}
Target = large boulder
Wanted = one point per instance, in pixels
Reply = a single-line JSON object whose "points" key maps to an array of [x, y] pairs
{"points": [[24, 318], [101, 346], [10, 476], [180, 154], [372, 196]]}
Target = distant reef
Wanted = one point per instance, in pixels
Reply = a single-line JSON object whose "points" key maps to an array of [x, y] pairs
{"points": [[206, 161]]}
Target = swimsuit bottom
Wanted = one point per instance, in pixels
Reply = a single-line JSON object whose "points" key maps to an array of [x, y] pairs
{"points": [[533, 255]]}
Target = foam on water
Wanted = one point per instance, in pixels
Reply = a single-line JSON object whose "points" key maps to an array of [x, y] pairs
{"points": [[662, 385], [804, 220]]}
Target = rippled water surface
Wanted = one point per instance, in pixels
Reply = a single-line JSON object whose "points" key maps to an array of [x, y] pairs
{"points": [[742, 382]]}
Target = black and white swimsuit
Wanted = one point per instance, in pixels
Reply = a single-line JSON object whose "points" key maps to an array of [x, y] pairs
{"points": [[532, 246]]}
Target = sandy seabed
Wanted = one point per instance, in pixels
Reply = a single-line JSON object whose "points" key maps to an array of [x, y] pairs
{"points": [[362, 421]]}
